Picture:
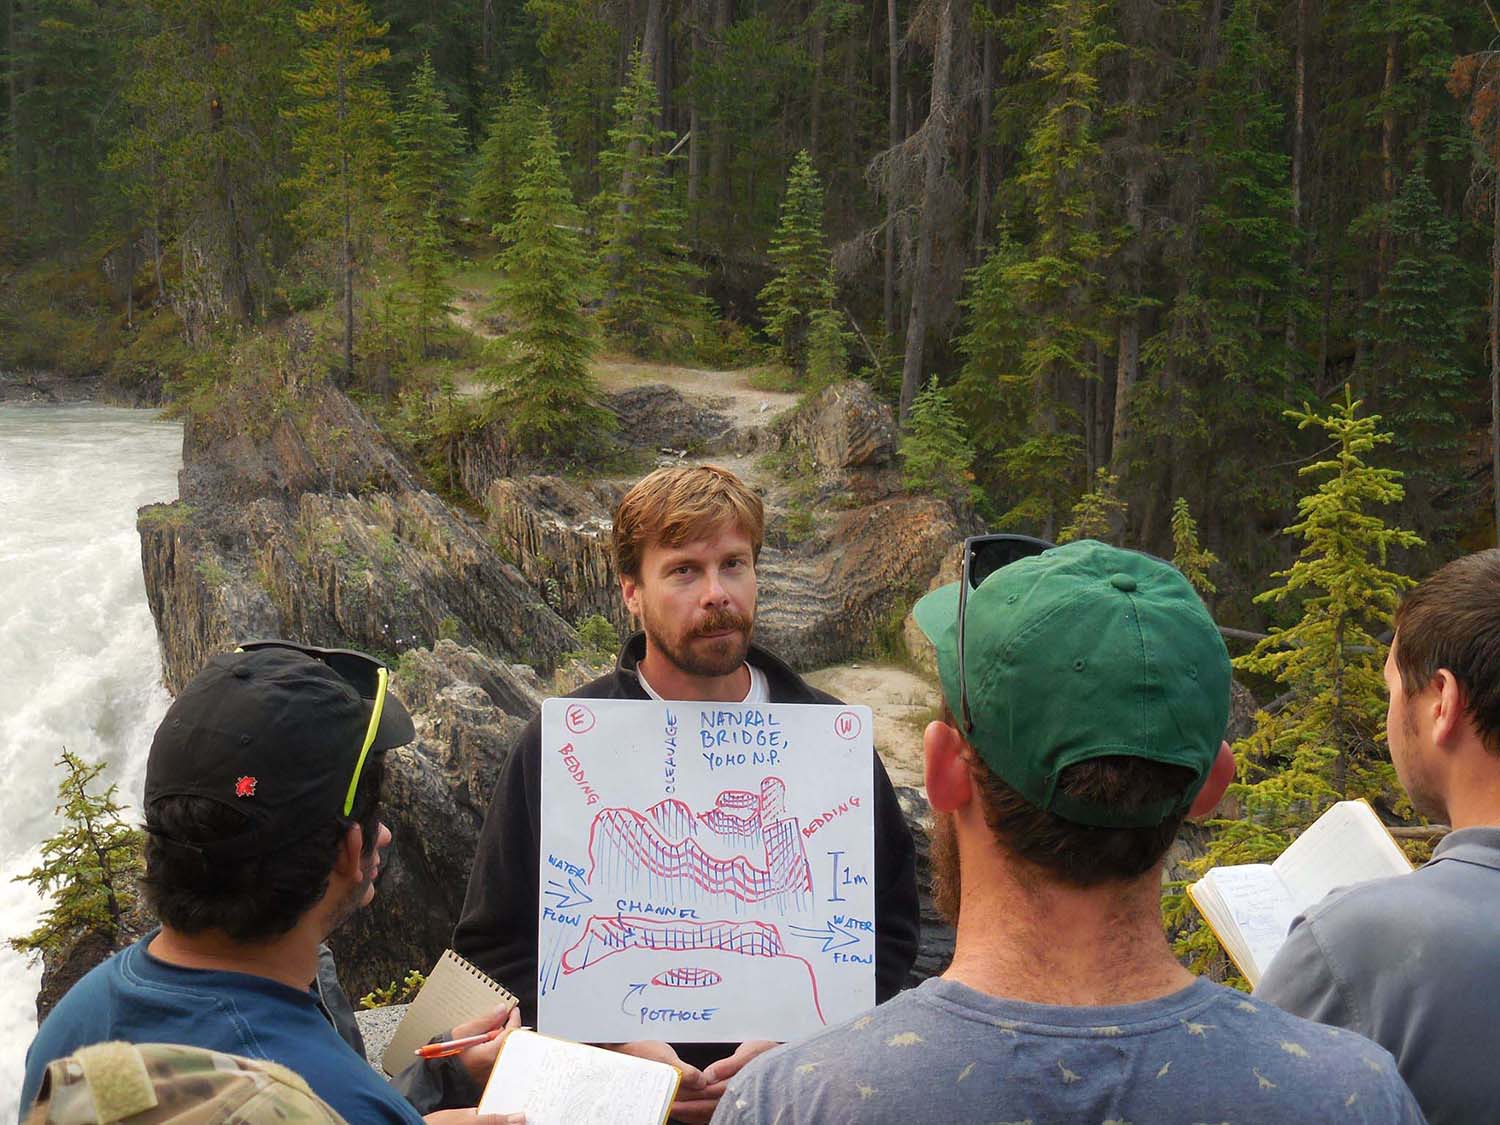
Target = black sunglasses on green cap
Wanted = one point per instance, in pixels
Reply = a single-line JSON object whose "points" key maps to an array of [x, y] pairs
{"points": [[983, 555], [365, 674]]}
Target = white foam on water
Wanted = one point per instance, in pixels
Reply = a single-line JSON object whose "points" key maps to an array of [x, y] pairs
{"points": [[79, 662]]}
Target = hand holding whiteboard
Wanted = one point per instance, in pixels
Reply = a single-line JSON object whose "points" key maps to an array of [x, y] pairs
{"points": [[706, 869]]}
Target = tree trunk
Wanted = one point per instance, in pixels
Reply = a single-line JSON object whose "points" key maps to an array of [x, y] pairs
{"points": [[1495, 353], [1387, 154], [696, 147], [1128, 354], [348, 277], [935, 151], [815, 110], [893, 54], [1299, 147], [982, 156], [718, 144]]}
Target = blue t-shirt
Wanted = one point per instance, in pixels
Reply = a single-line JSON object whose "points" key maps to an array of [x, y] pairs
{"points": [[139, 998], [944, 1052]]}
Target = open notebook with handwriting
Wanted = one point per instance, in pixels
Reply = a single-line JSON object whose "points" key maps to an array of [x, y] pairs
{"points": [[1250, 906]]}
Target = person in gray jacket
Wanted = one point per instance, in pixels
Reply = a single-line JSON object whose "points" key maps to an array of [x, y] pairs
{"points": [[1413, 962]]}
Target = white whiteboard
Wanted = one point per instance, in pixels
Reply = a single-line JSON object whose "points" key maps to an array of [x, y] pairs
{"points": [[707, 870]]}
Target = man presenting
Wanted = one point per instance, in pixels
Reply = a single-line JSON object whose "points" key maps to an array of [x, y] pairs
{"points": [[686, 540], [1413, 961], [263, 833], [1091, 693]]}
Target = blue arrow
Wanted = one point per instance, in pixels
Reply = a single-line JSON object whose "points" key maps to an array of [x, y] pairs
{"points": [[832, 937], [570, 896], [634, 989]]}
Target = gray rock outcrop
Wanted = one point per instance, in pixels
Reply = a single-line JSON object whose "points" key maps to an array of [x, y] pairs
{"points": [[308, 525]]}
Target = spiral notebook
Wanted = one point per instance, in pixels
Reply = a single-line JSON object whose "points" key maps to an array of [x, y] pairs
{"points": [[455, 991]]}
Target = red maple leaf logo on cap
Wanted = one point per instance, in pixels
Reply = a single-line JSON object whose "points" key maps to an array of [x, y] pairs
{"points": [[244, 787]]}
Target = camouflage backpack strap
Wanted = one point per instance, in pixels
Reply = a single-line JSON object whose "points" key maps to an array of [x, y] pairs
{"points": [[102, 1084]]}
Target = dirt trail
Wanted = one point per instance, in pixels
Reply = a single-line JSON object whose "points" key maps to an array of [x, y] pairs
{"points": [[903, 703]]}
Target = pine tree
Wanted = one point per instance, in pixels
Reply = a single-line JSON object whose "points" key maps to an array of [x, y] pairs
{"points": [[1188, 555], [88, 866], [1414, 333], [936, 456], [1220, 369], [803, 282], [543, 387], [1099, 511], [1037, 323], [342, 122], [497, 168], [827, 349], [428, 145], [647, 276], [1326, 743], [425, 294]]}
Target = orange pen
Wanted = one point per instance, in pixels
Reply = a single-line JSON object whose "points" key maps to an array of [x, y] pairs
{"points": [[454, 1046]]}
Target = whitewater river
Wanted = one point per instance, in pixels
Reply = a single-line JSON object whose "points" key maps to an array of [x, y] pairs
{"points": [[79, 663]]}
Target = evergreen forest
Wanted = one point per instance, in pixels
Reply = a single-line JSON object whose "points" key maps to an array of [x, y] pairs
{"points": [[1217, 279]]}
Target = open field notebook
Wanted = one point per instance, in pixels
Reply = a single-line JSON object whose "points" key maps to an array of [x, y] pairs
{"points": [[455, 991], [556, 1082], [1250, 906]]}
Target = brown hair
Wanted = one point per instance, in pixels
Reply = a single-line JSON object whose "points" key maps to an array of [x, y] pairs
{"points": [[1081, 855], [1452, 621], [680, 504]]}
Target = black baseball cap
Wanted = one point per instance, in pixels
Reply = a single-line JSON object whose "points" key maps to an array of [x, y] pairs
{"points": [[276, 733]]}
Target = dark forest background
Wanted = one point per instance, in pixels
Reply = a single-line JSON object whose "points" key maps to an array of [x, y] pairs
{"points": [[1123, 238]]}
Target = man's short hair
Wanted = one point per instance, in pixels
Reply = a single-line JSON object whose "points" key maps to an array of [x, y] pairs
{"points": [[1078, 854], [1452, 621], [250, 899], [681, 504]]}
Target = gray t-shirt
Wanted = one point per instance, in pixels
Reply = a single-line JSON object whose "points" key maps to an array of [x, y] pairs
{"points": [[1413, 962], [944, 1052]]}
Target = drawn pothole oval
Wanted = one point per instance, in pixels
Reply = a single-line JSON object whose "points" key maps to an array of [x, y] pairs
{"points": [[688, 978]]}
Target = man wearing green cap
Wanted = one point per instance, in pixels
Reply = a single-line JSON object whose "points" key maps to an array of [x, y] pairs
{"points": [[1087, 694]]}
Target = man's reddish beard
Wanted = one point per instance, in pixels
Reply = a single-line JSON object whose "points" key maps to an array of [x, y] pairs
{"points": [[944, 859], [718, 659]]}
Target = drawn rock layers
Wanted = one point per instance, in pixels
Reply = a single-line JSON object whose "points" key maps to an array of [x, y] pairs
{"points": [[661, 854]]}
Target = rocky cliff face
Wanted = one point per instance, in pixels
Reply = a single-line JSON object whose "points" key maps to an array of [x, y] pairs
{"points": [[308, 525]]}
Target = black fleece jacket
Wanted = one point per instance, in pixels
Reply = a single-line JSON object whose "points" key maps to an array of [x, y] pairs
{"points": [[498, 928]]}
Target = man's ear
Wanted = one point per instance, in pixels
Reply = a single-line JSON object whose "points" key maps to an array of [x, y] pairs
{"points": [[349, 860], [1447, 705], [950, 785], [630, 591], [1220, 774]]}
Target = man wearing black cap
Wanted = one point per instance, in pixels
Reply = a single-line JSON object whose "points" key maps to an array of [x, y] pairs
{"points": [[263, 834]]}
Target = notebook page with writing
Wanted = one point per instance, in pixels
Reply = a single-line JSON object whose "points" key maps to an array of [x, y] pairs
{"points": [[455, 991], [555, 1082], [1259, 912], [1346, 845]]}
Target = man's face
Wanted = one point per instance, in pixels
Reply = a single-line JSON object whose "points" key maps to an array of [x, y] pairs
{"points": [[363, 893], [1411, 746], [696, 602]]}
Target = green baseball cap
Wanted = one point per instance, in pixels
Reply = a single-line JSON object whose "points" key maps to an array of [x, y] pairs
{"points": [[1080, 652]]}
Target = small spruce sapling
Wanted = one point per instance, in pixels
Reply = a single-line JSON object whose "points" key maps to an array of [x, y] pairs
{"points": [[89, 865]]}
